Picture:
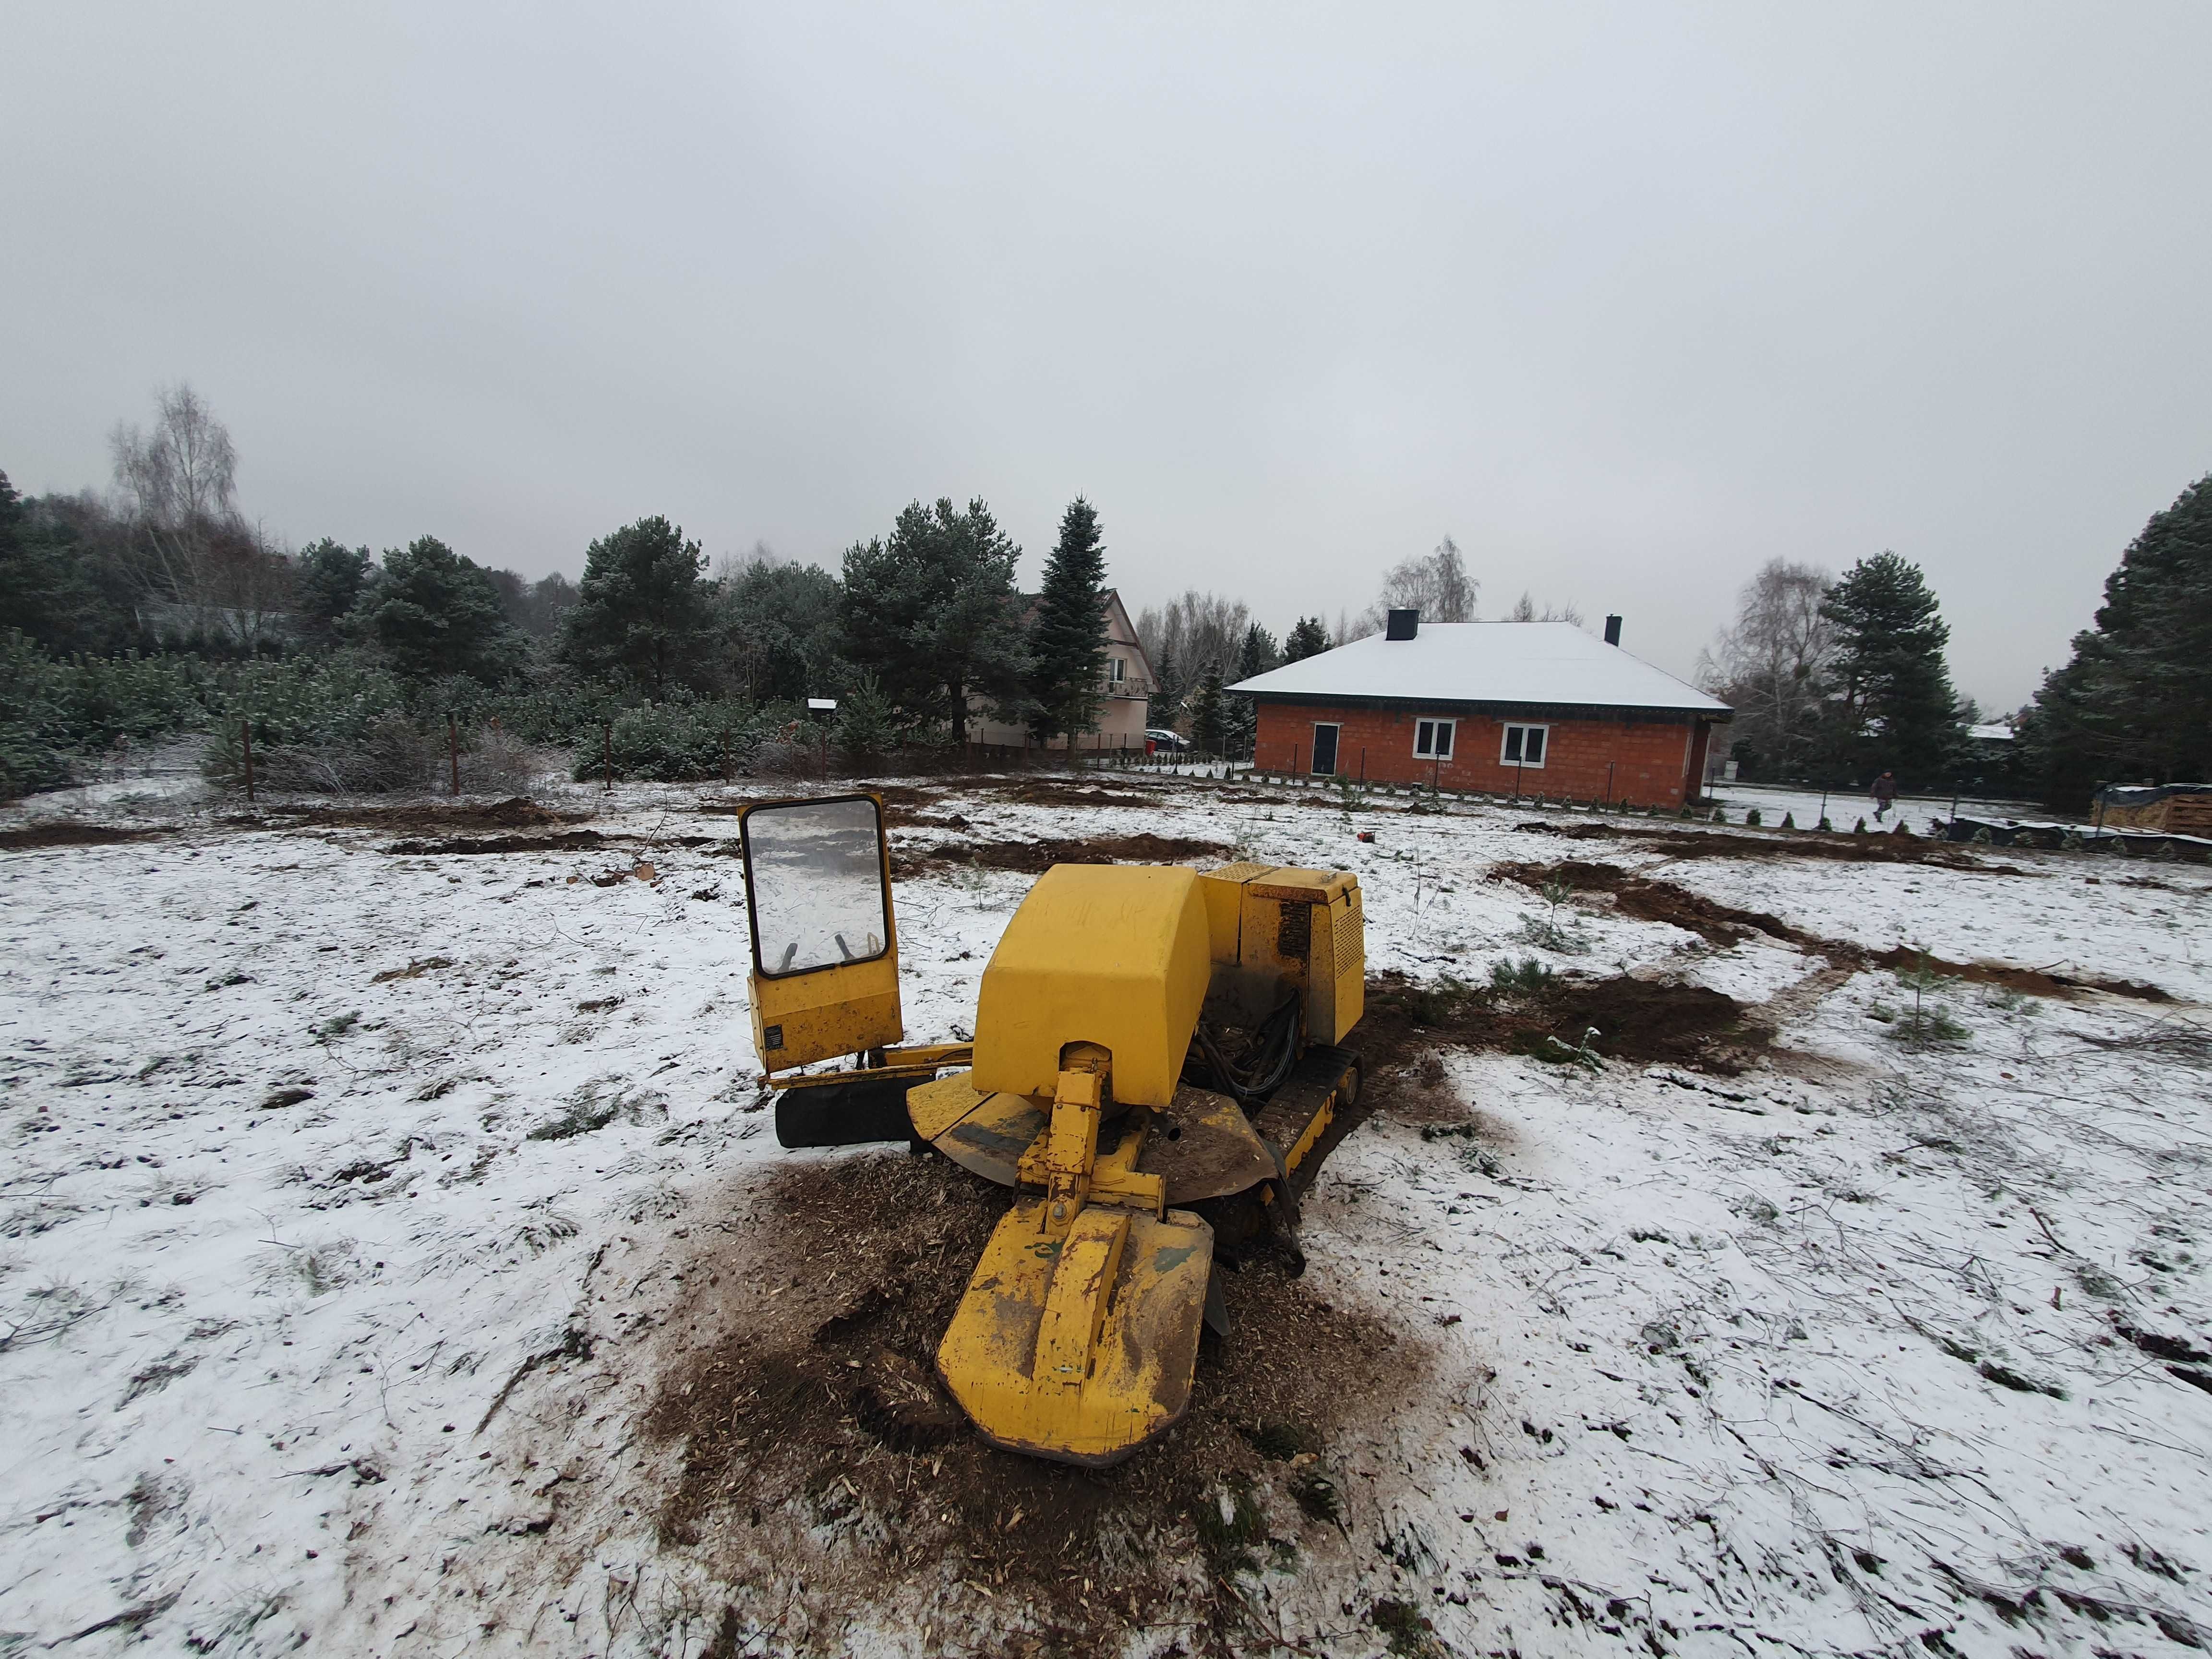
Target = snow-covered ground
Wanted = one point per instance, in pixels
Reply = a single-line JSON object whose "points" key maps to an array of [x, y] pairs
{"points": [[353, 1194]]}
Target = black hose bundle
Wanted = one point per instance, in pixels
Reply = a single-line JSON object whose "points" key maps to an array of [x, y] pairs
{"points": [[1267, 1060]]}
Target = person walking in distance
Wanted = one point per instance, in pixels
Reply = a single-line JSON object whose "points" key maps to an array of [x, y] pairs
{"points": [[1884, 795]]}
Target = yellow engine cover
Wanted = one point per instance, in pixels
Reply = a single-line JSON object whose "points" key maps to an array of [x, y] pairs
{"points": [[1271, 927], [1111, 954]]}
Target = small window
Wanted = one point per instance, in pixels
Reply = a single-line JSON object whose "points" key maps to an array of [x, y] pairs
{"points": [[1524, 745], [1432, 740], [1117, 670]]}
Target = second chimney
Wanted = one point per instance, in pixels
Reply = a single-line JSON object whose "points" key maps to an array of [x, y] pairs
{"points": [[1401, 624], [1613, 630]]}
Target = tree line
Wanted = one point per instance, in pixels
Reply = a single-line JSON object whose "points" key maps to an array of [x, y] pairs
{"points": [[159, 605], [1834, 679], [167, 577]]}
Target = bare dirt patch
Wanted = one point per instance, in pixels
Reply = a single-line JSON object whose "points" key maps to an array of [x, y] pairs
{"points": [[33, 837], [2035, 981], [422, 818], [1035, 857], [1883, 849], [815, 1442], [573, 840], [1660, 901], [1843, 848], [1643, 1022], [1049, 792]]}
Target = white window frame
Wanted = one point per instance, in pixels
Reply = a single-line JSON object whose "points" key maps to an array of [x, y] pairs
{"points": [[1544, 743], [1117, 671], [1448, 725]]}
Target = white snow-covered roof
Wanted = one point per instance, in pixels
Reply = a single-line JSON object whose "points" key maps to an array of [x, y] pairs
{"points": [[1537, 662], [1991, 733]]}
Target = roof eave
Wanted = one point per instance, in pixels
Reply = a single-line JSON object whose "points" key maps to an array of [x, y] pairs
{"points": [[1486, 705]]}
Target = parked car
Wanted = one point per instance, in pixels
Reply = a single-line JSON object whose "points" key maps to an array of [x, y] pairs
{"points": [[1159, 740]]}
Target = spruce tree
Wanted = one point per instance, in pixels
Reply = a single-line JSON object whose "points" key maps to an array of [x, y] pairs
{"points": [[1308, 639], [1067, 635], [1896, 710], [1166, 703], [640, 614], [2134, 705], [1255, 657], [1206, 728]]}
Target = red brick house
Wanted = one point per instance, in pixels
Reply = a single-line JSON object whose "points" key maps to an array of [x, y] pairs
{"points": [[1505, 708]]}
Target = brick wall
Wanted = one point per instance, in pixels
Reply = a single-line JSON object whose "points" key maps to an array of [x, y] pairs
{"points": [[1645, 761]]}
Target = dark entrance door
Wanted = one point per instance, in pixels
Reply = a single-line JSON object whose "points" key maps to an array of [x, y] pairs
{"points": [[1324, 751]]}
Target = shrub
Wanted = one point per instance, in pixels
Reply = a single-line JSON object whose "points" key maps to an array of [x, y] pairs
{"points": [[53, 710], [1825, 826], [555, 713], [1547, 932], [336, 726], [33, 735], [1788, 820], [1859, 828], [673, 742], [1527, 974], [1719, 817], [1928, 1020], [1752, 818]]}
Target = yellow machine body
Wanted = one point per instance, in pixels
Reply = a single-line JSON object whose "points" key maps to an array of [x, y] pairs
{"points": [[1076, 1337], [1114, 955]]}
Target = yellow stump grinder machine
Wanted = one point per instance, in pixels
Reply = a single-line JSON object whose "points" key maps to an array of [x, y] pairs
{"points": [[1156, 1052]]}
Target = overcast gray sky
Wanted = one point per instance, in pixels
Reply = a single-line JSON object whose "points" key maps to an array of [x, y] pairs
{"points": [[1625, 299]]}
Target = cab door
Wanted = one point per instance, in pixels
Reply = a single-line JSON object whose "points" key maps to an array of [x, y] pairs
{"points": [[824, 946]]}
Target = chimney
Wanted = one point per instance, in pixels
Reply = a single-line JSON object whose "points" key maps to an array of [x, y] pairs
{"points": [[1402, 625], [1613, 630]]}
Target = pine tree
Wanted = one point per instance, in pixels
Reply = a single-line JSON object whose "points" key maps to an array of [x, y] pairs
{"points": [[780, 623], [2134, 702], [932, 611], [640, 614], [328, 580], [1068, 638], [1895, 708], [435, 613], [1308, 639]]}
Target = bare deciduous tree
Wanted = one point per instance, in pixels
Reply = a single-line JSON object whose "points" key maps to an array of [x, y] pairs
{"points": [[202, 569], [182, 472], [1524, 609], [1436, 585], [1771, 664], [1190, 637]]}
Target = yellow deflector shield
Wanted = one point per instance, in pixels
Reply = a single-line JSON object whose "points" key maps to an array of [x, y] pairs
{"points": [[1082, 1348]]}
